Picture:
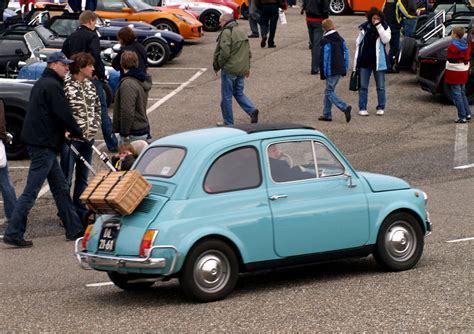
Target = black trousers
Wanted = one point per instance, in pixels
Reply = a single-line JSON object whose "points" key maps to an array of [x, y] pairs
{"points": [[268, 21]]}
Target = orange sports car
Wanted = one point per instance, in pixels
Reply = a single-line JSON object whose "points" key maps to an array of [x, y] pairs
{"points": [[340, 7], [176, 20]]}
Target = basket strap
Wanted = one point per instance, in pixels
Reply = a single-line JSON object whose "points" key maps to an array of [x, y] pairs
{"points": [[111, 189], [88, 199]]}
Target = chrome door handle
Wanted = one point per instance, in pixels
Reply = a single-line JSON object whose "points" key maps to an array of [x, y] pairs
{"points": [[275, 197]]}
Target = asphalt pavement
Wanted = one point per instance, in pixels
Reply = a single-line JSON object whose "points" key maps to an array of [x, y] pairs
{"points": [[42, 289]]}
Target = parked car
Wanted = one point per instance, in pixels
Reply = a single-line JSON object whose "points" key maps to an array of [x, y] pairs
{"points": [[207, 13], [175, 20], [236, 199], [160, 45], [341, 7], [16, 95]]}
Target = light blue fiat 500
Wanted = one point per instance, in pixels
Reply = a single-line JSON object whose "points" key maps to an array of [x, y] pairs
{"points": [[236, 199]]}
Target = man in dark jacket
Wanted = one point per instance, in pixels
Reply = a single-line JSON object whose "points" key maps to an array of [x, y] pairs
{"points": [[47, 119], [85, 39], [316, 11], [395, 12], [269, 11], [334, 64]]}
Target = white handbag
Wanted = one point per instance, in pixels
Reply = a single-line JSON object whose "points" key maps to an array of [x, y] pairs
{"points": [[282, 16], [3, 155]]}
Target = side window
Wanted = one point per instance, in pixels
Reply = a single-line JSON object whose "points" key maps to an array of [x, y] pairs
{"points": [[235, 170], [110, 5], [327, 163], [291, 161]]}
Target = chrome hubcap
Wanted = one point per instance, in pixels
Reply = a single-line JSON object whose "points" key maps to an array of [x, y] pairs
{"points": [[211, 271], [337, 6], [400, 241]]}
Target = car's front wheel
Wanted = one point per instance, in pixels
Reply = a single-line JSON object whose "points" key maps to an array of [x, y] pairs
{"points": [[399, 243], [210, 271], [210, 20], [157, 52], [129, 281]]}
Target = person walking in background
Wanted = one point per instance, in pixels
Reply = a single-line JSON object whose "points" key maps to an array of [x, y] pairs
{"points": [[316, 11], [334, 64], [268, 19], [130, 119], [395, 11], [254, 18], [3, 5], [232, 57], [47, 119], [86, 109], [6, 185], [371, 57], [85, 39], [457, 72], [128, 42]]}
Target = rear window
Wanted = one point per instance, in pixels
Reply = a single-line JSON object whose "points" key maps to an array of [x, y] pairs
{"points": [[163, 161]]}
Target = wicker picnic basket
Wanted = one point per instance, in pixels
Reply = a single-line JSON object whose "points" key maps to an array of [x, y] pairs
{"points": [[115, 192]]}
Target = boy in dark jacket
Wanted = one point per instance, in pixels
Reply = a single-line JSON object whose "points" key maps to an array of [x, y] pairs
{"points": [[333, 64]]}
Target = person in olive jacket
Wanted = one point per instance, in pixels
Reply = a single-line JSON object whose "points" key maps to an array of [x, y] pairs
{"points": [[130, 119], [47, 121]]}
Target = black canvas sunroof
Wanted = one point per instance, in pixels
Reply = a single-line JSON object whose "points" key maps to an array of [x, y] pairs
{"points": [[252, 128]]}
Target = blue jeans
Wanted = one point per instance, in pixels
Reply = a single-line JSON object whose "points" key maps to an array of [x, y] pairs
{"points": [[409, 27], [458, 94], [75, 5], [268, 21], [253, 24], [8, 192], [107, 132], [91, 5], [365, 74], [315, 31], [330, 96], [233, 85], [131, 138], [394, 45], [68, 160], [44, 165]]}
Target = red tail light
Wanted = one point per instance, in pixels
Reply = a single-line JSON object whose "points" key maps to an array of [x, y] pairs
{"points": [[147, 242], [427, 61], [87, 235]]}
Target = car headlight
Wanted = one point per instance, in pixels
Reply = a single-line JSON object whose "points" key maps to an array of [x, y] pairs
{"points": [[184, 19], [158, 34]]}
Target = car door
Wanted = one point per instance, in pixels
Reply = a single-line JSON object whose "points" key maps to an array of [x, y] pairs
{"points": [[11, 51], [315, 206], [113, 9]]}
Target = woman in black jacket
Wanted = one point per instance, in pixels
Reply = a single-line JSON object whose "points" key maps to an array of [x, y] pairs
{"points": [[128, 41]]}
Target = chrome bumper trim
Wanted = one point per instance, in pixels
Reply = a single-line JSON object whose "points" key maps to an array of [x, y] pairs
{"points": [[87, 259], [429, 229]]}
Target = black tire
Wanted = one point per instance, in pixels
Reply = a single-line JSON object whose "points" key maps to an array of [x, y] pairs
{"points": [[164, 24], [399, 243], [210, 20], [109, 94], [11, 70], [157, 51], [339, 7], [407, 52], [16, 150], [244, 11], [123, 281], [210, 271]]}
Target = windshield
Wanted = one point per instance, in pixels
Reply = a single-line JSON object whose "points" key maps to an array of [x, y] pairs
{"points": [[162, 161], [140, 6]]}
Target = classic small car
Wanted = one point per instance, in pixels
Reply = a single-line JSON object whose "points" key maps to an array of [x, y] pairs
{"points": [[235, 199], [172, 19]]}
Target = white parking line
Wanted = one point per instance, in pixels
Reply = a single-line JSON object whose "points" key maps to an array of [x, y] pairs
{"points": [[19, 167], [98, 284], [460, 147], [461, 240]]}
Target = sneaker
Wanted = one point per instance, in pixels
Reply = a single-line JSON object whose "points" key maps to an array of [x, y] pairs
{"points": [[254, 117], [220, 124], [347, 112], [272, 46], [314, 72], [263, 43], [468, 118], [460, 120], [363, 113], [20, 243], [380, 112], [253, 36], [324, 119]]}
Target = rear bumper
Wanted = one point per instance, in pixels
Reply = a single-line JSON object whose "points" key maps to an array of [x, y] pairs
{"points": [[114, 263]]}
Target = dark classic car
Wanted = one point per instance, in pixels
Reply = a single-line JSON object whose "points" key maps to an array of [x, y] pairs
{"points": [[15, 94], [161, 45]]}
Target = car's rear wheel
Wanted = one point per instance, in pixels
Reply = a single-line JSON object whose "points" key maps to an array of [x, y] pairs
{"points": [[210, 20], [157, 52], [16, 150], [130, 281], [164, 24], [210, 271], [339, 7], [399, 243], [407, 53]]}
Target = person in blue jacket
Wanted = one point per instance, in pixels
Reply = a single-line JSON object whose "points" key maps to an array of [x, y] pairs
{"points": [[333, 64]]}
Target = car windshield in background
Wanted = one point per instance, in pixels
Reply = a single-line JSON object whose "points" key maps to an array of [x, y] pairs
{"points": [[140, 6], [162, 161], [33, 40]]}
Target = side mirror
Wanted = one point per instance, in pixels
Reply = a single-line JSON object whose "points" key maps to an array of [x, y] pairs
{"points": [[19, 52], [126, 10], [349, 180]]}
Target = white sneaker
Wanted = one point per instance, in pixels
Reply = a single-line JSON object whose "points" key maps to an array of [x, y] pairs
{"points": [[380, 112], [363, 113]]}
